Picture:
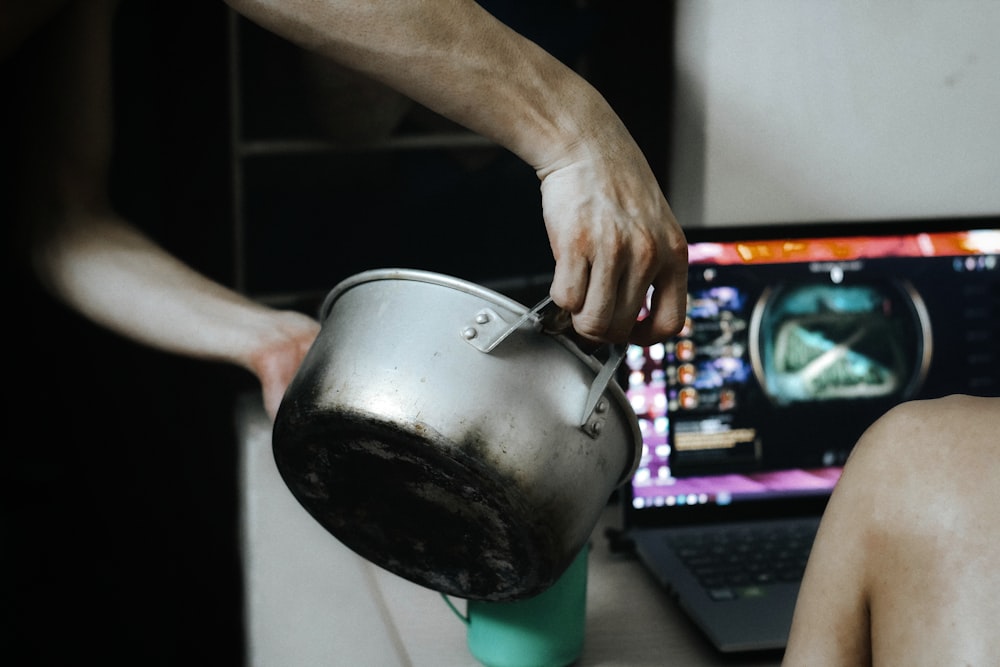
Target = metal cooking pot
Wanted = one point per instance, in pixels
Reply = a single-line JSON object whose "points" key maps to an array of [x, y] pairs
{"points": [[440, 432]]}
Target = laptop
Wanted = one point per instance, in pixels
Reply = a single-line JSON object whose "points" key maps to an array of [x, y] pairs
{"points": [[797, 338]]}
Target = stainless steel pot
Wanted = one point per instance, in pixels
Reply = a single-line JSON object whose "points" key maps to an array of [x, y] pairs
{"points": [[438, 431]]}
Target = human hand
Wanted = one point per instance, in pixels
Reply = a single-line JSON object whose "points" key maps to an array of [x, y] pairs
{"points": [[278, 355], [610, 228], [613, 237]]}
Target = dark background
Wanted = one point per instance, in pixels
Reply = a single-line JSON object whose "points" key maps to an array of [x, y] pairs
{"points": [[119, 540], [119, 497]]}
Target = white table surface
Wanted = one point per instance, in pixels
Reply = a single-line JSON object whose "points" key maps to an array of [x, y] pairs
{"points": [[312, 602]]}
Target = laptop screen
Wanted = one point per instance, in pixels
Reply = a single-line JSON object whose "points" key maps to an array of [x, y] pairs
{"points": [[797, 338]]}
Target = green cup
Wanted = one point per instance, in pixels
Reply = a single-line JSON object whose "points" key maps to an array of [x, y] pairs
{"points": [[542, 631]]}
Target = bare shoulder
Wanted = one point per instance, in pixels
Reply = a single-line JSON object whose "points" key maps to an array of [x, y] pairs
{"points": [[978, 408], [932, 530], [919, 445], [988, 406], [957, 418]]}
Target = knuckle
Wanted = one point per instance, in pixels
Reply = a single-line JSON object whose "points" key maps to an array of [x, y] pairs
{"points": [[589, 326]]}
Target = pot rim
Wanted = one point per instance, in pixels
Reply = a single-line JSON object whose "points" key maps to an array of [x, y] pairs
{"points": [[497, 299]]}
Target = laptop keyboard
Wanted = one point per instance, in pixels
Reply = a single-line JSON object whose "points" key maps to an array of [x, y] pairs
{"points": [[738, 561]]}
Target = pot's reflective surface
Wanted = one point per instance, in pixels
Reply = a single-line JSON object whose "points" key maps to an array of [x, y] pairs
{"points": [[464, 471]]}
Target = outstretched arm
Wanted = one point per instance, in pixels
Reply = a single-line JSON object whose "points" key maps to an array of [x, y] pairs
{"points": [[611, 230], [98, 263], [119, 278]]}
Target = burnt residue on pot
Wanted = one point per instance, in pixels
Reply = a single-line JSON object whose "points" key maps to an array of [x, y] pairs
{"points": [[429, 511]]}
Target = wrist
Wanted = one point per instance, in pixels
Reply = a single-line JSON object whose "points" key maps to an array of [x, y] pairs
{"points": [[589, 129]]}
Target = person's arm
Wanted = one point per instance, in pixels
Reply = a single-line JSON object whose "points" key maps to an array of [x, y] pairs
{"points": [[832, 621], [904, 567], [113, 274], [611, 230], [99, 264]]}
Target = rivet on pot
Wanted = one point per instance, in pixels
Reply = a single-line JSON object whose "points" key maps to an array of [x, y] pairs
{"points": [[469, 333], [602, 406], [482, 318]]}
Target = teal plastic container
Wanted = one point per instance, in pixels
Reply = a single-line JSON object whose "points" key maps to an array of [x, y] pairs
{"points": [[542, 631]]}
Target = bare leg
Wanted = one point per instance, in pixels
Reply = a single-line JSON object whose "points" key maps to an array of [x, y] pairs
{"points": [[906, 566]]}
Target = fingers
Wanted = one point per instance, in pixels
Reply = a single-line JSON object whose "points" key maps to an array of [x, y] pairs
{"points": [[633, 274], [666, 309], [590, 293], [570, 281], [616, 243], [612, 304], [282, 346]]}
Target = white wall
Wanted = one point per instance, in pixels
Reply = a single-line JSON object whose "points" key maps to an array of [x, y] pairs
{"points": [[819, 110]]}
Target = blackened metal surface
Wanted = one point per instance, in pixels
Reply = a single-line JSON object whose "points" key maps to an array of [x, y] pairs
{"points": [[421, 508]]}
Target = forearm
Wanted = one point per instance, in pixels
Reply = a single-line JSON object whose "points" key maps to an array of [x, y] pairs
{"points": [[111, 273], [455, 58], [97, 263]]}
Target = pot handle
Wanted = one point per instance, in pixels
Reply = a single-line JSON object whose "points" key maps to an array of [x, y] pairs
{"points": [[595, 397], [489, 330]]}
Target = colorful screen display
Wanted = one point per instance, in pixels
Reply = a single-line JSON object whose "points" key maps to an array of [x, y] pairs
{"points": [[793, 346]]}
